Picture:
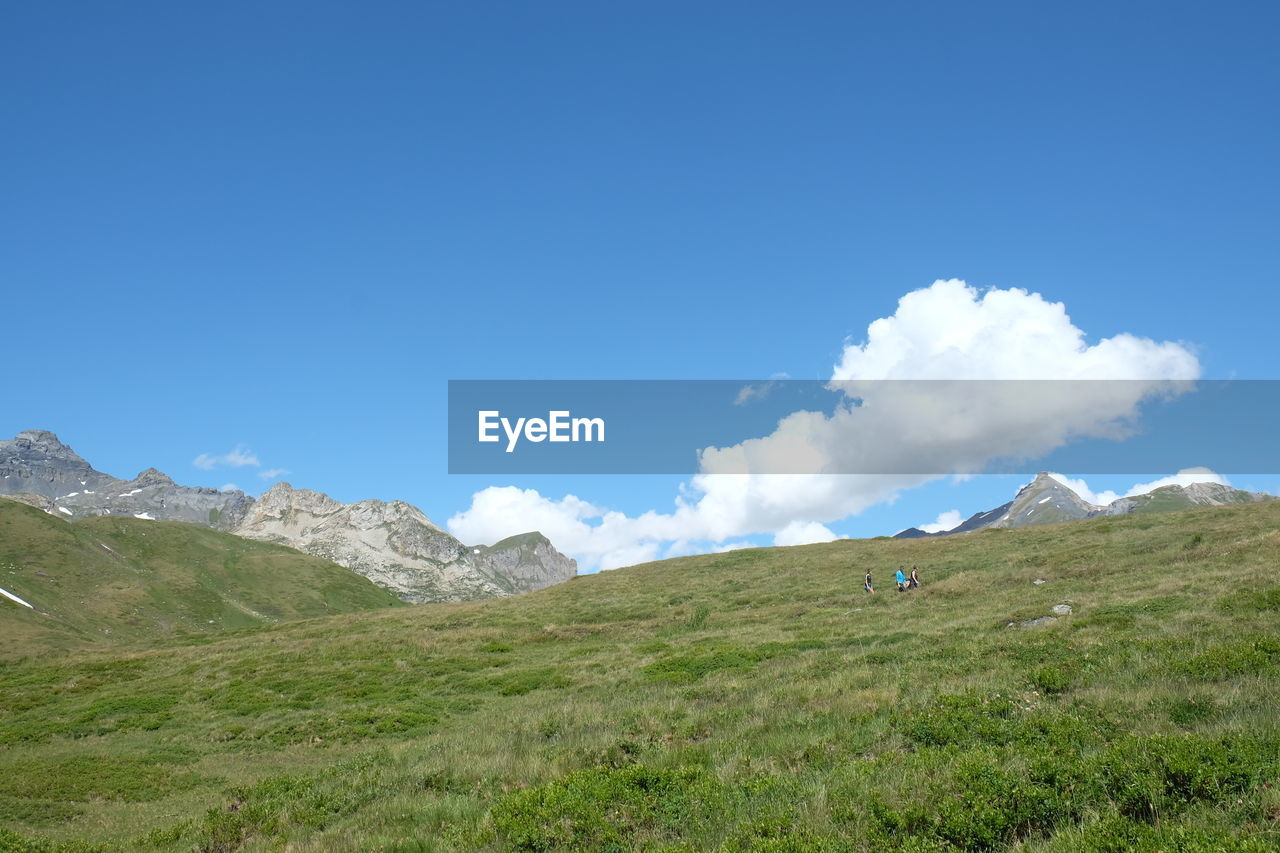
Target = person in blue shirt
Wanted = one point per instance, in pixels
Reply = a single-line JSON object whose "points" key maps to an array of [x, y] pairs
{"points": [[902, 580]]}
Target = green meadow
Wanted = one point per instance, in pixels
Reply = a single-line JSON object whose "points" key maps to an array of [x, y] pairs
{"points": [[756, 700], [108, 580]]}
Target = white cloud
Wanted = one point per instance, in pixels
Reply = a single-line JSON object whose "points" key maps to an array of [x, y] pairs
{"points": [[803, 533], [1185, 477], [946, 331], [732, 546], [951, 331], [1081, 488], [272, 473], [754, 392], [238, 457], [948, 520], [228, 487], [597, 537]]}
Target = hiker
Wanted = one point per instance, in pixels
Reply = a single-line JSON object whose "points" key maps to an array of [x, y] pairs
{"points": [[867, 586], [914, 582], [902, 580]]}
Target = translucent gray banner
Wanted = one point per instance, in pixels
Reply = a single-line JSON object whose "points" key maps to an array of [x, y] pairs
{"points": [[912, 427]]}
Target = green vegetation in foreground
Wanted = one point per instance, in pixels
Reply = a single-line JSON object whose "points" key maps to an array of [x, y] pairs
{"points": [[109, 580], [753, 700]]}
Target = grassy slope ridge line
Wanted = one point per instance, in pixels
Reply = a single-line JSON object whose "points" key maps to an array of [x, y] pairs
{"points": [[109, 580], [753, 700]]}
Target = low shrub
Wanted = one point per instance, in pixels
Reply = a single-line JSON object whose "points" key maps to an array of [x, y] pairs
{"points": [[695, 664], [271, 806], [607, 808], [1243, 657], [1051, 679], [1189, 710]]}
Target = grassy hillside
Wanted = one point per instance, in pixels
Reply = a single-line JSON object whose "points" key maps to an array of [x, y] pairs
{"points": [[109, 580], [753, 700]]}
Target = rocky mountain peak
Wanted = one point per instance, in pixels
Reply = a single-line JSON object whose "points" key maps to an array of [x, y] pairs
{"points": [[36, 462], [532, 539], [395, 545], [42, 438], [1206, 492], [401, 509], [279, 490], [153, 477], [526, 561], [45, 443], [283, 497], [1044, 480], [1045, 500]]}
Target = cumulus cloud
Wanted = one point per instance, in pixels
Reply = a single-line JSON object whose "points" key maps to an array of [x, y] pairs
{"points": [[947, 331], [1081, 488], [228, 487], [948, 520], [238, 457], [1185, 477], [272, 473], [598, 538], [803, 533], [952, 331]]}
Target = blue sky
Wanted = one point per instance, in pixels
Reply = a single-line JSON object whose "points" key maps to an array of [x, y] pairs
{"points": [[286, 226]]}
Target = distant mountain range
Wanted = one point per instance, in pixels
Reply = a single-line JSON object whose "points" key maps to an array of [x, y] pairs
{"points": [[396, 546], [1045, 500], [393, 544]]}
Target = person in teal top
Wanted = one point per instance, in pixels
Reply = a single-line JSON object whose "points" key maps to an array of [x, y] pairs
{"points": [[902, 580]]}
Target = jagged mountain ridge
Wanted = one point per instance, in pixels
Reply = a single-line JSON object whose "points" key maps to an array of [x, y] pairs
{"points": [[55, 478], [393, 543], [1045, 500]]}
